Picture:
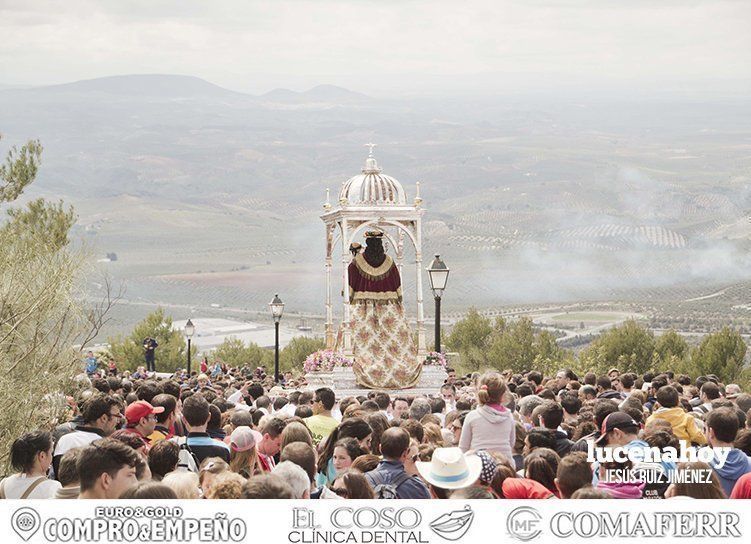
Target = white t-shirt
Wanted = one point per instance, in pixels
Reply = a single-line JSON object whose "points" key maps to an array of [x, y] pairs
{"points": [[288, 409], [15, 486], [76, 439]]}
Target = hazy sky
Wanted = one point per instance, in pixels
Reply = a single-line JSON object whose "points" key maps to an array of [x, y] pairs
{"points": [[381, 46]]}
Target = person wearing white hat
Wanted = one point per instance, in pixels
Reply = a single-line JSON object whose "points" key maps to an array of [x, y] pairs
{"points": [[449, 469]]}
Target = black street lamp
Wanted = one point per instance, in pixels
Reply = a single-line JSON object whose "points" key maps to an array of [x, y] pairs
{"points": [[277, 308], [439, 275], [190, 329]]}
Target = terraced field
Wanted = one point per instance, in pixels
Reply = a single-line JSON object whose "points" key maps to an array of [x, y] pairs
{"points": [[625, 235]]}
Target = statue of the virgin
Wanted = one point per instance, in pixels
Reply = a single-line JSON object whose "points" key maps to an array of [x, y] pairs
{"points": [[385, 356]]}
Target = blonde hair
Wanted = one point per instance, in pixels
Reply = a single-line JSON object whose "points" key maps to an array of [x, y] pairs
{"points": [[432, 434], [641, 395], [227, 486], [247, 461], [183, 483], [212, 465], [431, 418], [296, 432], [491, 388]]}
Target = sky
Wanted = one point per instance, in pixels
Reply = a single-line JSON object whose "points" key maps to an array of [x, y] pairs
{"points": [[384, 47]]}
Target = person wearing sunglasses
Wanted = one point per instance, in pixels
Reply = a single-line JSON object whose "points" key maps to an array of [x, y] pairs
{"points": [[352, 484], [456, 428], [321, 423], [140, 418], [101, 417], [391, 475]]}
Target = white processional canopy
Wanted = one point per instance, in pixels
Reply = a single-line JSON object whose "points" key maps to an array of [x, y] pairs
{"points": [[370, 200]]}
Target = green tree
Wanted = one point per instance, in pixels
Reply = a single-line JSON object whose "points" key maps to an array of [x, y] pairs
{"points": [[469, 337], [41, 318], [293, 355], [629, 347], [19, 170], [41, 220], [171, 354], [472, 331], [519, 347], [721, 354], [234, 352], [669, 347], [500, 344], [513, 346]]}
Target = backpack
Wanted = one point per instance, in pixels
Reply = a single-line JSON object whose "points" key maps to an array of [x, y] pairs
{"points": [[388, 489], [186, 459]]}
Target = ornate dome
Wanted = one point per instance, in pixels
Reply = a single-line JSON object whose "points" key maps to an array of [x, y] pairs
{"points": [[371, 188]]}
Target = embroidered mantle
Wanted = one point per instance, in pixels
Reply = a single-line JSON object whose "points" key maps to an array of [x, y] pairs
{"points": [[379, 284]]}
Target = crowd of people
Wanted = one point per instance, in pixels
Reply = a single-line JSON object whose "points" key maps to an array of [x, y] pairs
{"points": [[234, 433]]}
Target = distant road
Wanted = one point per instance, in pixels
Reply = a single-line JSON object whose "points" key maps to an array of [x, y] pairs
{"points": [[705, 297]]}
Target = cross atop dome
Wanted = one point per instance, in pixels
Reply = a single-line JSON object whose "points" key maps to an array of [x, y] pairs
{"points": [[371, 166]]}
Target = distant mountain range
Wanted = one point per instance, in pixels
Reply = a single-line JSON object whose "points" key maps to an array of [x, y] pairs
{"points": [[319, 93], [176, 174], [144, 85], [179, 86]]}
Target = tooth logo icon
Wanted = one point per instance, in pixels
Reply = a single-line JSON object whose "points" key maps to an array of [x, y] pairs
{"points": [[454, 525]]}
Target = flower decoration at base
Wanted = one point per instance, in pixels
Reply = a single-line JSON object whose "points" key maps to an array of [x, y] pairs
{"points": [[435, 358], [325, 360]]}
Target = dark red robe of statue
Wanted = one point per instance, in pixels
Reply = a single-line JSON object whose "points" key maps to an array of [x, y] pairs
{"points": [[374, 283]]}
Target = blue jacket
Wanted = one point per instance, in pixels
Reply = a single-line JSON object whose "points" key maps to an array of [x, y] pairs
{"points": [[388, 470], [736, 465]]}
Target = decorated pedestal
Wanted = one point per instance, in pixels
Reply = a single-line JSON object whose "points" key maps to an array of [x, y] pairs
{"points": [[342, 381], [319, 379]]}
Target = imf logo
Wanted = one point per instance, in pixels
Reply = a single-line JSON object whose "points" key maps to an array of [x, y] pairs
{"points": [[523, 523]]}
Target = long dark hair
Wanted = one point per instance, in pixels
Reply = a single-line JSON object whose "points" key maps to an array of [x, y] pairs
{"points": [[356, 484], [354, 427], [378, 423], [25, 448], [374, 253], [351, 446], [501, 474], [542, 468]]}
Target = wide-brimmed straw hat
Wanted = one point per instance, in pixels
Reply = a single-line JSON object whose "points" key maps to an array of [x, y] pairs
{"points": [[450, 468]]}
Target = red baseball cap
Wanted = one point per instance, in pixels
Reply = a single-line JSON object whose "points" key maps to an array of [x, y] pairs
{"points": [[136, 410]]}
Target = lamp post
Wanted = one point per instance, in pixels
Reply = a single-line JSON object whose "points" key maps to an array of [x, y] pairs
{"points": [[190, 329], [277, 308], [438, 273]]}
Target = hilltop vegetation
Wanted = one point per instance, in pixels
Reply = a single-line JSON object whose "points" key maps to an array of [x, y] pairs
{"points": [[630, 347]]}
